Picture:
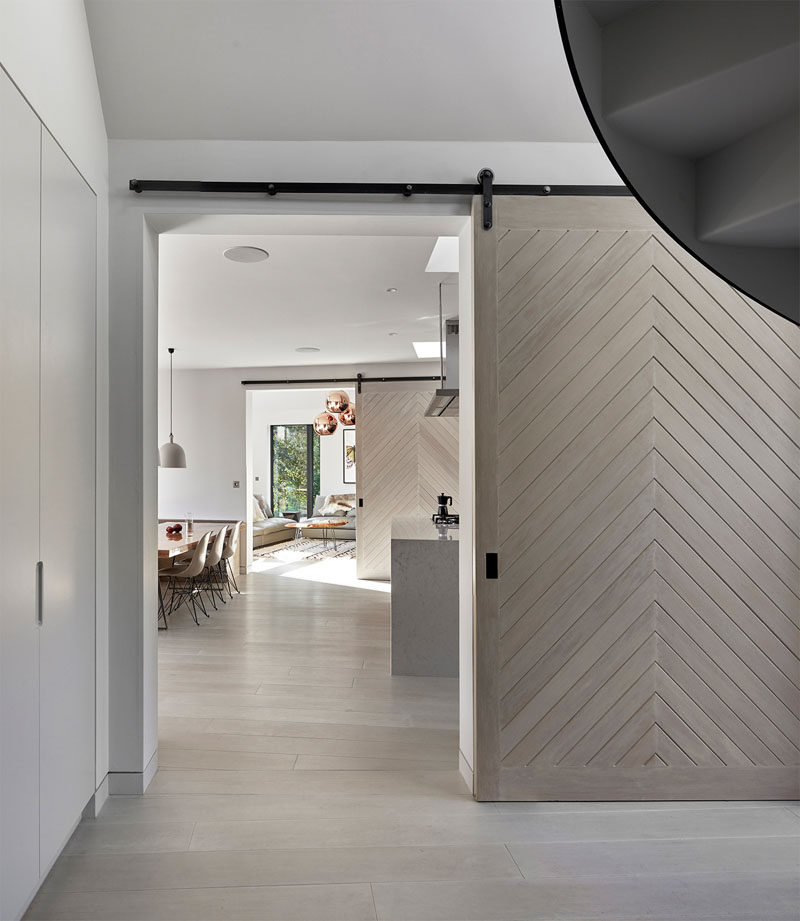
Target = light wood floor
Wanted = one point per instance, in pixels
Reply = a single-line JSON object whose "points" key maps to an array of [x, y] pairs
{"points": [[297, 780]]}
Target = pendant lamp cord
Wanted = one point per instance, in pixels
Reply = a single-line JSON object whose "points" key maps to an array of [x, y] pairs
{"points": [[170, 393], [441, 337]]}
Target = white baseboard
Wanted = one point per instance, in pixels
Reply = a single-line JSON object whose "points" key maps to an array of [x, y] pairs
{"points": [[132, 783], [49, 867], [95, 805], [465, 769], [90, 811]]}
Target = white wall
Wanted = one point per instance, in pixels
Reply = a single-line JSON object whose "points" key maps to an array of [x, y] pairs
{"points": [[46, 50], [279, 407], [209, 422]]}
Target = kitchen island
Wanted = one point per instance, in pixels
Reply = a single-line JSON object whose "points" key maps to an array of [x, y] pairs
{"points": [[424, 615]]}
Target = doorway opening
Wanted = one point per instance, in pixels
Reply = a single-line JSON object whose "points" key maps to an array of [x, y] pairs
{"points": [[310, 610]]}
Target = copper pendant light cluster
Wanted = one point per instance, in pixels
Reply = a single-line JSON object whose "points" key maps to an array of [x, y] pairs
{"points": [[338, 408]]}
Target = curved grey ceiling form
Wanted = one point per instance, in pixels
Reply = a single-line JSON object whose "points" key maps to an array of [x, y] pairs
{"points": [[696, 102]]}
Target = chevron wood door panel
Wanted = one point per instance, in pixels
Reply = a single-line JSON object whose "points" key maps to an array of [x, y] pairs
{"points": [[638, 462], [405, 460]]}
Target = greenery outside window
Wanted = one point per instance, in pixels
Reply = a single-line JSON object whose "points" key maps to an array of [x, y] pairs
{"points": [[294, 466]]}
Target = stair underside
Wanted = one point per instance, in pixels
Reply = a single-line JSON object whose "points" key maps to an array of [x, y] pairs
{"points": [[697, 102]]}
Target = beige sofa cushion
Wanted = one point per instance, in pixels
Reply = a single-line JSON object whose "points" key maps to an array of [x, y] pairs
{"points": [[338, 505]]}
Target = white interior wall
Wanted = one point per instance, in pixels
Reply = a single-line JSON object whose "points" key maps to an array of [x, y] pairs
{"points": [[46, 50], [291, 407], [209, 422], [133, 293]]}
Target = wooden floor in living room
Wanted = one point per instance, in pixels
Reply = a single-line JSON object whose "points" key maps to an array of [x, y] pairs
{"points": [[298, 781]]}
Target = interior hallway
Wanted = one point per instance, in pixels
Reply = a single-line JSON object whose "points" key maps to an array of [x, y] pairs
{"points": [[297, 780]]}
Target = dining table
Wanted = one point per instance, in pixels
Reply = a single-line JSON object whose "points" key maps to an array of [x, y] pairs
{"points": [[173, 545]]}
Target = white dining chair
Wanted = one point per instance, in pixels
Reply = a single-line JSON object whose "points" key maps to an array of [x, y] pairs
{"points": [[183, 580], [228, 553], [211, 573]]}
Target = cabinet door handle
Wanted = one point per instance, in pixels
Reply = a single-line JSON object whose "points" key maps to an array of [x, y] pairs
{"points": [[39, 591]]}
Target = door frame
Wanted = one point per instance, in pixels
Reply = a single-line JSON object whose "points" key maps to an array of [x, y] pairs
{"points": [[133, 678]]}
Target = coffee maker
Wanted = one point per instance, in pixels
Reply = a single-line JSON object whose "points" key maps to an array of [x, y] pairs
{"points": [[443, 514]]}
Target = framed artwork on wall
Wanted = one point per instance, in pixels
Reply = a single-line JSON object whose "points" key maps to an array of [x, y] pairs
{"points": [[349, 458]]}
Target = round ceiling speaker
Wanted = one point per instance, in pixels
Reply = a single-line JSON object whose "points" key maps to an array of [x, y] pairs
{"points": [[246, 254], [337, 401], [348, 417], [325, 424]]}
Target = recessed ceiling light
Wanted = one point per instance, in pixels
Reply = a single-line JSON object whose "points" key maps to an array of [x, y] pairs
{"points": [[246, 254], [429, 349], [391, 290], [392, 334], [307, 348]]}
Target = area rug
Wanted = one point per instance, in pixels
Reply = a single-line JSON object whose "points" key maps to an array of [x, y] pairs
{"points": [[304, 549]]}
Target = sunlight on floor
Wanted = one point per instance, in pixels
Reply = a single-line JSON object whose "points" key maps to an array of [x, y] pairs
{"points": [[331, 572]]}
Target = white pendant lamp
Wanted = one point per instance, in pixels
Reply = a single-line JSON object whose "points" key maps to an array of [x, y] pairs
{"points": [[172, 454]]}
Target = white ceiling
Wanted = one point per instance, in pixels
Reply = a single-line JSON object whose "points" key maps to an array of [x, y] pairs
{"points": [[416, 70], [323, 290]]}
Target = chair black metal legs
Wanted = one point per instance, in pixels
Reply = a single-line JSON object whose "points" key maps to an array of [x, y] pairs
{"points": [[162, 611], [223, 574], [188, 593], [232, 577], [215, 580]]}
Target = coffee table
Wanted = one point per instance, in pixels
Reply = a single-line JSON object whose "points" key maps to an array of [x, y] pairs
{"points": [[327, 526], [297, 530]]}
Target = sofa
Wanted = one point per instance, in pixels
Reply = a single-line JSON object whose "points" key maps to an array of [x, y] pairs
{"points": [[347, 505], [268, 528], [271, 529]]}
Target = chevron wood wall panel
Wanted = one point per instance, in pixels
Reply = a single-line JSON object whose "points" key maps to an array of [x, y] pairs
{"points": [[404, 461], [646, 634]]}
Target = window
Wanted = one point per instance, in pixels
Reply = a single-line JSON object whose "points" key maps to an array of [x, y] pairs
{"points": [[294, 452]]}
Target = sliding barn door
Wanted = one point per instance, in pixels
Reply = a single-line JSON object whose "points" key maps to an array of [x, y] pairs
{"points": [[637, 446], [405, 460]]}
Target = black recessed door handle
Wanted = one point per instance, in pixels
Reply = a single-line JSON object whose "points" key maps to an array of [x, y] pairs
{"points": [[492, 566]]}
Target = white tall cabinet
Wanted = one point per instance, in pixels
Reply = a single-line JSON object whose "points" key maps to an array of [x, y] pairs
{"points": [[47, 496]]}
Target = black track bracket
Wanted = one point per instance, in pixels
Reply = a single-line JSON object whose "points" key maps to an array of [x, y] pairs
{"points": [[485, 179]]}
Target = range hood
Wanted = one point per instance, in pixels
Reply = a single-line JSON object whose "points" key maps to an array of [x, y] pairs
{"points": [[445, 399]]}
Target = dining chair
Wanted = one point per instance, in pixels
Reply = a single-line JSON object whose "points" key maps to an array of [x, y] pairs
{"points": [[212, 573], [162, 610], [183, 580], [228, 553]]}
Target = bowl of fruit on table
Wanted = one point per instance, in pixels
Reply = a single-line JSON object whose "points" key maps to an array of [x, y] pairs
{"points": [[174, 531]]}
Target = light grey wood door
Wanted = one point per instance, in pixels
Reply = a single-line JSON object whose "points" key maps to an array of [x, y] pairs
{"points": [[20, 138], [67, 489], [637, 471], [405, 460]]}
